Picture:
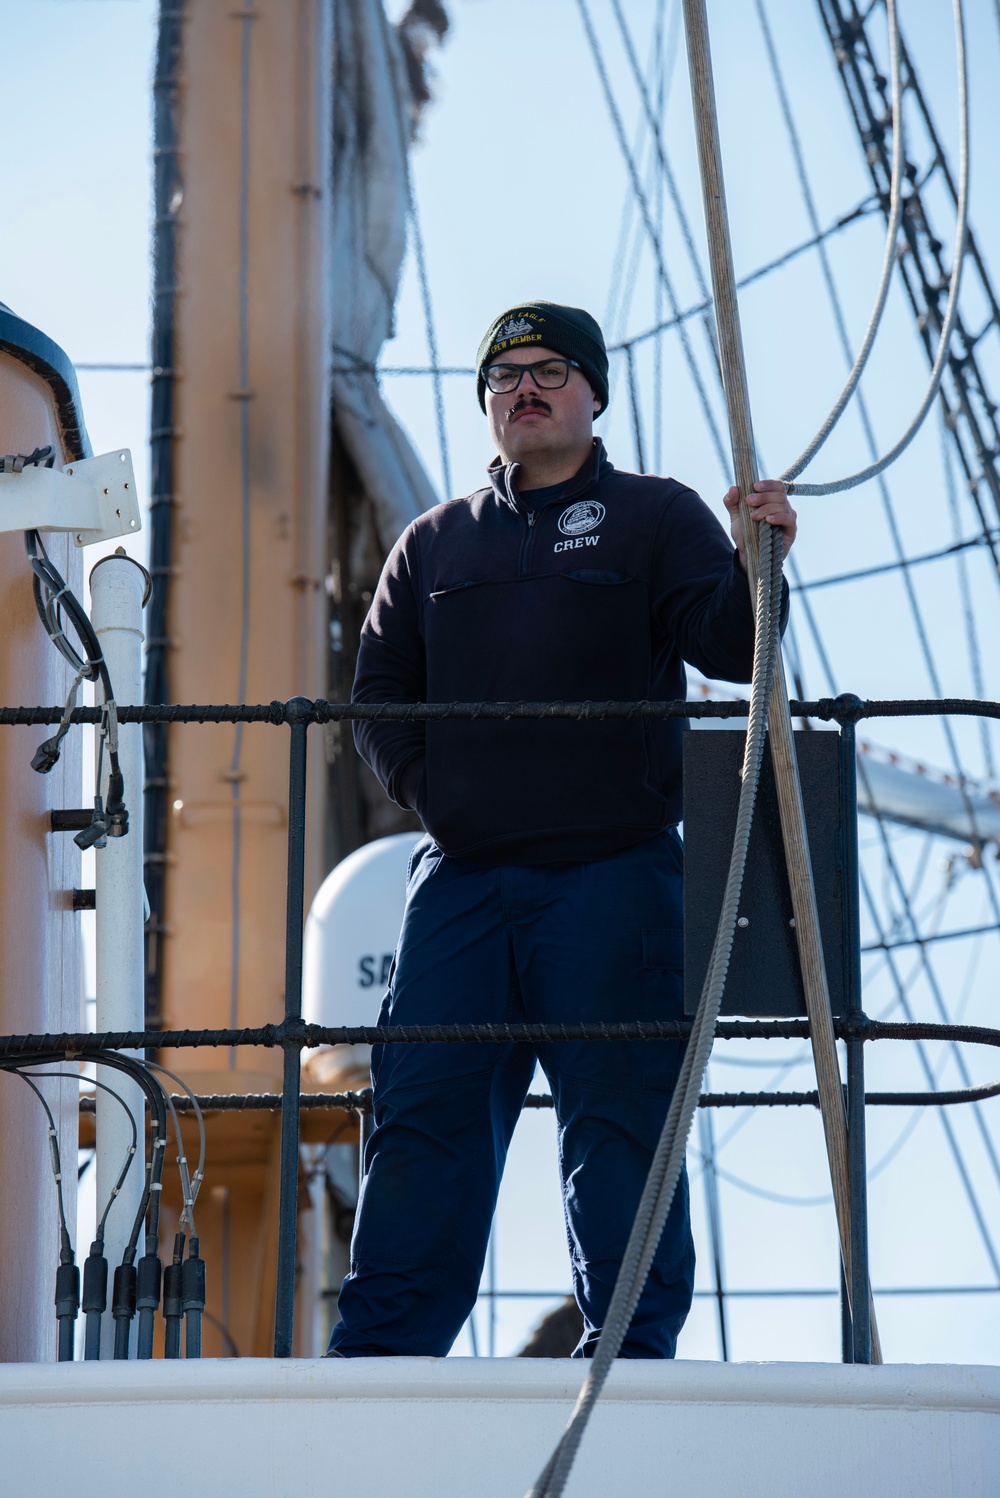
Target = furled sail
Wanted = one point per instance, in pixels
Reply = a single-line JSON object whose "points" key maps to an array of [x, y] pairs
{"points": [[378, 92]]}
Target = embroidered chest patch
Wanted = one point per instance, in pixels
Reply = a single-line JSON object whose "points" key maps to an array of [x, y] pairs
{"points": [[582, 517]]}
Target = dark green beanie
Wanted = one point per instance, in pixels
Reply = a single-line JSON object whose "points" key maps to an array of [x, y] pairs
{"points": [[565, 330]]}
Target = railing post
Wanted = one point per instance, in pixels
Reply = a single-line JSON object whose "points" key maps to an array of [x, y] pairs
{"points": [[298, 711], [857, 1158]]}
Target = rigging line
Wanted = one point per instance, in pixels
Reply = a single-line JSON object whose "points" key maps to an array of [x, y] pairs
{"points": [[955, 549], [868, 206], [246, 18], [421, 264], [629, 281], [668, 284], [890, 958], [712, 1211], [668, 175], [892, 234], [633, 398], [941, 357], [618, 279], [664, 80], [928, 1071], [971, 635], [634, 231], [780, 1070], [778, 1197], [431, 334], [841, 326], [933, 985]]}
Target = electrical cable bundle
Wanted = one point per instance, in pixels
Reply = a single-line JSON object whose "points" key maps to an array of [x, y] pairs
{"points": [[135, 1287], [58, 606]]}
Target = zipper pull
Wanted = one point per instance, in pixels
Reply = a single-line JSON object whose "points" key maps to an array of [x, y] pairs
{"points": [[531, 518]]}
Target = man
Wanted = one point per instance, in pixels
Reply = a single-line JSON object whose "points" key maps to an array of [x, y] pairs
{"points": [[549, 885]]}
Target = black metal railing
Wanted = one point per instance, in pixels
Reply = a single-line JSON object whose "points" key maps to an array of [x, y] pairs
{"points": [[293, 1035]]}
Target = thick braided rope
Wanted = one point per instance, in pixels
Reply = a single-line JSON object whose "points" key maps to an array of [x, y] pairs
{"points": [[668, 1158]]}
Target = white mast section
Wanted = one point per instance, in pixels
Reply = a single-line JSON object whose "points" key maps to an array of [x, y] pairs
{"points": [[117, 584]]}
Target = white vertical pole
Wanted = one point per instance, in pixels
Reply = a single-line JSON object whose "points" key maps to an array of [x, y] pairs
{"points": [[117, 585]]}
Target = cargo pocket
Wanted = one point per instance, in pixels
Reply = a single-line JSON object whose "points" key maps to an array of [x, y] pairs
{"points": [[663, 999]]}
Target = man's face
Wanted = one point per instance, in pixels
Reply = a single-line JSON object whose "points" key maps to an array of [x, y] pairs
{"points": [[530, 420]]}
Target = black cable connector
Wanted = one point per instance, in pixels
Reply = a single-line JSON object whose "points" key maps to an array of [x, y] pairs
{"points": [[46, 756], [173, 1300], [194, 1293], [95, 1297], [123, 1307], [96, 835], [116, 815], [67, 1306], [148, 1296]]}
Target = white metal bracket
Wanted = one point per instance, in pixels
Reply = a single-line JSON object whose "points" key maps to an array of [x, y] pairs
{"points": [[94, 499]]}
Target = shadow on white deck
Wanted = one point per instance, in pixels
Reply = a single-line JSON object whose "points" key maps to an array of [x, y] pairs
{"points": [[405, 1428]]}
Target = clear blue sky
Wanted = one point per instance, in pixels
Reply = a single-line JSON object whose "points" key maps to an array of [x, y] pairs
{"points": [[535, 209]]}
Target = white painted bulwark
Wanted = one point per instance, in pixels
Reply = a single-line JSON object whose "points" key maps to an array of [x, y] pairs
{"points": [[452, 1428]]}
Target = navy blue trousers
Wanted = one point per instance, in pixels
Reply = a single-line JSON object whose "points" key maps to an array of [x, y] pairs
{"points": [[576, 942]]}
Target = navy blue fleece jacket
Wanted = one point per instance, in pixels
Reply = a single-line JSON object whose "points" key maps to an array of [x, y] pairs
{"points": [[600, 594]]}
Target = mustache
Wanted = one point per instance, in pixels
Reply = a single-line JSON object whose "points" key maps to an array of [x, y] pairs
{"points": [[528, 400]]}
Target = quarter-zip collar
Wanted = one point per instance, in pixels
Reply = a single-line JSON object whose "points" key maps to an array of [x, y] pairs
{"points": [[503, 477]]}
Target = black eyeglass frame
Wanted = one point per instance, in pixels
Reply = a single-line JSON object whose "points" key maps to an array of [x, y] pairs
{"points": [[524, 369]]}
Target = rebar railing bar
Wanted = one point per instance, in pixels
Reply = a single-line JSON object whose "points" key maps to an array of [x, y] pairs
{"points": [[843, 709], [85, 1045], [766, 1292], [360, 1102]]}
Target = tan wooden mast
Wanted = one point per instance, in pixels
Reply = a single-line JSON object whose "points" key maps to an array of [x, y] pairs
{"points": [[247, 606]]}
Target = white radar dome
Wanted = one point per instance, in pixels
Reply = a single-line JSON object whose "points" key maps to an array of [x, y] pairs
{"points": [[351, 933]]}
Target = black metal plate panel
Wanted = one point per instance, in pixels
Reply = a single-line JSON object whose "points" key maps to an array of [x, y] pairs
{"points": [[764, 976]]}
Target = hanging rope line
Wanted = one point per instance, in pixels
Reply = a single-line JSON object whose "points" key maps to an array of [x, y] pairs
{"points": [[920, 625], [837, 486], [888, 258]]}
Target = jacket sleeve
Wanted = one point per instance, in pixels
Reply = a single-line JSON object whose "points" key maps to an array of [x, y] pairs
{"points": [[700, 594], [392, 667]]}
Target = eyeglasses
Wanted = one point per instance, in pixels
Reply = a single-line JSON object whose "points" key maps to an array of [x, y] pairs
{"points": [[548, 374]]}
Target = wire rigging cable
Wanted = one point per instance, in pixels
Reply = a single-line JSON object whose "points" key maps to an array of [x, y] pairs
{"points": [[836, 486]]}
